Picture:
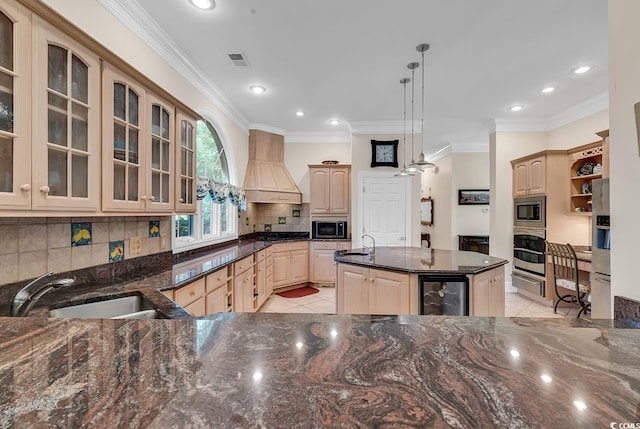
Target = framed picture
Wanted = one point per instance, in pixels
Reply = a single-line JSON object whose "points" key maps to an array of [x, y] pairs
{"points": [[426, 211], [473, 196], [384, 153]]}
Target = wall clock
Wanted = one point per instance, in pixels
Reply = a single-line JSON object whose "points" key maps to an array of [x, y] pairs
{"points": [[384, 153]]}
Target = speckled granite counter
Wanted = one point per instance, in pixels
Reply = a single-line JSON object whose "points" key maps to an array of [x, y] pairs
{"points": [[169, 276], [422, 260], [305, 371]]}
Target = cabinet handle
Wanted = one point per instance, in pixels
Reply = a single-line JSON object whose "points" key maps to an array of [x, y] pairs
{"points": [[152, 198], [45, 189], [26, 187], [144, 197], [181, 200]]}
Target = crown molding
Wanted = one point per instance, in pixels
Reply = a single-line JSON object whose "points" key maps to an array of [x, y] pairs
{"points": [[268, 129], [134, 17], [318, 137], [379, 127], [582, 110], [439, 154]]}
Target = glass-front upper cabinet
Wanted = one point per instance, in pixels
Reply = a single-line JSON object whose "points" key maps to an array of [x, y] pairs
{"points": [[123, 154], [160, 147], [15, 107], [66, 127], [185, 164]]}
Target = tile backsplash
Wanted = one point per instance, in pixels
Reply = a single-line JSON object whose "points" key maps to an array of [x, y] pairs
{"points": [[274, 218], [30, 247]]}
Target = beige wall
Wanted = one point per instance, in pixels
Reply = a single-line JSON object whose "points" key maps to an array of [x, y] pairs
{"points": [[463, 170], [92, 18], [579, 132], [437, 182], [624, 87], [297, 157]]}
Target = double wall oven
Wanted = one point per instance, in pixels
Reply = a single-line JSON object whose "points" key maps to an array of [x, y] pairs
{"points": [[529, 234]]}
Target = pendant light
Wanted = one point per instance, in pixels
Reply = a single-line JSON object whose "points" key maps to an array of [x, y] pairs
{"points": [[404, 171], [422, 160], [412, 167]]}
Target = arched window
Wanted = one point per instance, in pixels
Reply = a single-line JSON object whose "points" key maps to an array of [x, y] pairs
{"points": [[213, 222]]}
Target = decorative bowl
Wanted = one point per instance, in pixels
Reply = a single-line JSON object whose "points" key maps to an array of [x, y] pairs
{"points": [[329, 162]]}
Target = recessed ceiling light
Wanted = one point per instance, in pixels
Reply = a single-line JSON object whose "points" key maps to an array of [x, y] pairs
{"points": [[334, 122], [516, 108], [582, 69], [547, 90], [203, 4], [299, 113], [257, 89]]}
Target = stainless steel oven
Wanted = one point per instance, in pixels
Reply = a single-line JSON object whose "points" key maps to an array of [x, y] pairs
{"points": [[529, 249], [530, 211], [529, 259]]}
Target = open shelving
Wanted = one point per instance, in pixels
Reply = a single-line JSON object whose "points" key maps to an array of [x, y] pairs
{"points": [[581, 186]]}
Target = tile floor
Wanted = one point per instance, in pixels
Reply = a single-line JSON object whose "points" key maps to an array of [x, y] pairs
{"points": [[325, 302]]}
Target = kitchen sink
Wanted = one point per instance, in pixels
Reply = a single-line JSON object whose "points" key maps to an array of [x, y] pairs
{"points": [[128, 307]]}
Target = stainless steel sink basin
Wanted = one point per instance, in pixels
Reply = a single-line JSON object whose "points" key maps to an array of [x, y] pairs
{"points": [[128, 307]]}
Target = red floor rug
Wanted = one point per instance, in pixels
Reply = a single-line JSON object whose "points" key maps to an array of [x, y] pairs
{"points": [[298, 293]]}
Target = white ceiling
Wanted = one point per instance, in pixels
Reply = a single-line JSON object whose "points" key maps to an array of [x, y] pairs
{"points": [[344, 59]]}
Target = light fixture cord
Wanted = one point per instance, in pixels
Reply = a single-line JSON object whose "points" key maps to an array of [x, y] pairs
{"points": [[413, 71], [422, 121], [404, 119]]}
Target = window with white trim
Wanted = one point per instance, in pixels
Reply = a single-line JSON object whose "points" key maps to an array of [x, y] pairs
{"points": [[213, 222]]}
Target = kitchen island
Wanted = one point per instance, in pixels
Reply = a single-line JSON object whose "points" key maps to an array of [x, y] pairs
{"points": [[304, 370], [389, 281]]}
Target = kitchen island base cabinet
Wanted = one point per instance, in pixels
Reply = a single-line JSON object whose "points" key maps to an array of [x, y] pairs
{"points": [[372, 291], [487, 293]]}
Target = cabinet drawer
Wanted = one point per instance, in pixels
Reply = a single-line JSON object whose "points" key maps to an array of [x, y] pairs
{"points": [[217, 301], [217, 279], [324, 245], [287, 247], [189, 293], [261, 255], [344, 245], [197, 308], [243, 265]]}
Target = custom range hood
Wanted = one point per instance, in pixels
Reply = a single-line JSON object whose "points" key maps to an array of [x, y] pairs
{"points": [[267, 180]]}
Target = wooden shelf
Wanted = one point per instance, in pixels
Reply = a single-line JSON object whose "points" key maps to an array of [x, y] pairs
{"points": [[587, 176], [581, 195]]}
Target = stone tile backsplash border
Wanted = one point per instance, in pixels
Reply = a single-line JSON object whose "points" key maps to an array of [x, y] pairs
{"points": [[30, 247]]}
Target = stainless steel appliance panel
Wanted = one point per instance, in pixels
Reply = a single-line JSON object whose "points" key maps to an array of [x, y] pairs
{"points": [[529, 250], [530, 284], [530, 211]]}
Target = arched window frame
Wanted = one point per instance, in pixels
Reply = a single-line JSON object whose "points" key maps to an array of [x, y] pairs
{"points": [[206, 226]]}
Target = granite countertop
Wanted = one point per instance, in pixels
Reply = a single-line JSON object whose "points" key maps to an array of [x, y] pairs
{"points": [[422, 260], [304, 371], [168, 277]]}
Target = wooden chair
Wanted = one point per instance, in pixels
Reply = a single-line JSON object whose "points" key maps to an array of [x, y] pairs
{"points": [[565, 276]]}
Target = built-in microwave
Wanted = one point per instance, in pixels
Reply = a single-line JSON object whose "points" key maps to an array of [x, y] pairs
{"points": [[529, 211], [322, 229]]}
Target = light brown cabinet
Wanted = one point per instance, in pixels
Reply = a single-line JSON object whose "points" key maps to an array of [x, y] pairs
{"points": [[487, 293], [244, 289], [211, 294], [160, 146], [330, 189], [586, 163], [322, 267], [192, 297], [529, 176], [372, 291], [185, 163], [290, 263]]}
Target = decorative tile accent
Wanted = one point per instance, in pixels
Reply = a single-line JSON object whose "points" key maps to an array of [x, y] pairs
{"points": [[116, 251], [154, 228], [282, 220], [295, 213], [80, 234], [267, 227]]}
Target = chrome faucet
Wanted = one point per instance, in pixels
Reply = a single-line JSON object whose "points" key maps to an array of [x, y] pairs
{"points": [[370, 250], [33, 291]]}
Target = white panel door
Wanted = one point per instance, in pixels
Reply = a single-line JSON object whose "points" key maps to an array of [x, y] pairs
{"points": [[384, 210]]}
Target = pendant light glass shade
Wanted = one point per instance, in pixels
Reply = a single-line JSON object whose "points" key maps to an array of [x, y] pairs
{"points": [[404, 171], [422, 159]]}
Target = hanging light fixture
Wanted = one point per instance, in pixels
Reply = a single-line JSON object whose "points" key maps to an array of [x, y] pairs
{"points": [[404, 171], [413, 168], [422, 159]]}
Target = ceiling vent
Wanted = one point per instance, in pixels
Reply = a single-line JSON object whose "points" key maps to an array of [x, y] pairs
{"points": [[238, 59]]}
